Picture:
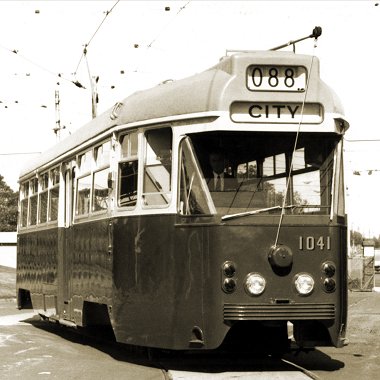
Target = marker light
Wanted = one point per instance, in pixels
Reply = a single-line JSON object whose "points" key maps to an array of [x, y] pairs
{"points": [[229, 268], [229, 285], [304, 284], [255, 284], [329, 284], [328, 268]]}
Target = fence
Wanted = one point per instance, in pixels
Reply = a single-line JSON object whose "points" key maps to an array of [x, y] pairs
{"points": [[361, 273]]}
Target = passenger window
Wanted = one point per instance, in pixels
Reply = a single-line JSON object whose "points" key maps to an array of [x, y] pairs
{"points": [[83, 197], [92, 191], [128, 170], [157, 171], [24, 189], [53, 206], [54, 194], [100, 190], [43, 203], [83, 188], [33, 201], [85, 162], [128, 183], [102, 154]]}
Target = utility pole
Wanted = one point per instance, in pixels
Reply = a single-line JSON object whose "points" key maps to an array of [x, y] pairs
{"points": [[94, 95], [57, 129]]}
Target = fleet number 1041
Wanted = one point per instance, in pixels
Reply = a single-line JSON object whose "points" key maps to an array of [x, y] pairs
{"points": [[310, 243]]}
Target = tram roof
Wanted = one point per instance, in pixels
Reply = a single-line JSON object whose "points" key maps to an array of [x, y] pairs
{"points": [[212, 90]]}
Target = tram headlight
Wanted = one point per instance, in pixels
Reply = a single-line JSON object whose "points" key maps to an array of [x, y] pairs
{"points": [[304, 284], [255, 284]]}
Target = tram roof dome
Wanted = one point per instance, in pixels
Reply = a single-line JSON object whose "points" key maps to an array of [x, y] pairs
{"points": [[211, 90]]}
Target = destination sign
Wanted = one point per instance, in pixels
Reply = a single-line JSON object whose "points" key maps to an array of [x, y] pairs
{"points": [[266, 112], [276, 78]]}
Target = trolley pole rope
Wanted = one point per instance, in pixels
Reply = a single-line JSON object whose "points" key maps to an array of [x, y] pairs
{"points": [[316, 33]]}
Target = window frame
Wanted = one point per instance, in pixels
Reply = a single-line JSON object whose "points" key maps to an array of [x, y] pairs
{"points": [[170, 193], [92, 165], [130, 157], [43, 191]]}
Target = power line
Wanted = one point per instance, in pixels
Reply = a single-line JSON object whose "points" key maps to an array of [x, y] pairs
{"points": [[18, 153], [43, 68], [160, 32], [92, 37], [362, 140], [166, 25]]}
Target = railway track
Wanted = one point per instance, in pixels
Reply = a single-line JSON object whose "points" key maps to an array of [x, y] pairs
{"points": [[221, 368]]}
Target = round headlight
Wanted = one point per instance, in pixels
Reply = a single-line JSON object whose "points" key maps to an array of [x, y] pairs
{"points": [[304, 284], [255, 284]]}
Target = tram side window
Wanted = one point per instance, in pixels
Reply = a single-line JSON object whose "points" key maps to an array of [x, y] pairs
{"points": [[128, 183], [157, 170], [83, 197], [33, 201], [24, 190], [54, 194], [128, 170], [100, 191], [43, 195], [93, 167]]}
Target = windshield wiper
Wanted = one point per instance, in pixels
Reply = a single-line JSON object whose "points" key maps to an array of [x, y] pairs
{"points": [[254, 212]]}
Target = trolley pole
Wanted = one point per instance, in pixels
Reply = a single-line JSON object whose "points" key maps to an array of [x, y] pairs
{"points": [[317, 32]]}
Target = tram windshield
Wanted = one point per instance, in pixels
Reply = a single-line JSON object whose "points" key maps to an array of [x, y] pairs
{"points": [[240, 173]]}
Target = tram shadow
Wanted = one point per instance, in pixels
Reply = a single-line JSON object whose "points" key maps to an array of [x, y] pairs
{"points": [[218, 361], [101, 339], [314, 360], [189, 361]]}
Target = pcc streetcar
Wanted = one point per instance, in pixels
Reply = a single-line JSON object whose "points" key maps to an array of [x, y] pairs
{"points": [[202, 213]]}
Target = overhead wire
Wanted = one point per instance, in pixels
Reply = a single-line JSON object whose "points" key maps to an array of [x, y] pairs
{"points": [[354, 150], [154, 40], [167, 24], [362, 140], [59, 75], [18, 153], [43, 68], [84, 52]]}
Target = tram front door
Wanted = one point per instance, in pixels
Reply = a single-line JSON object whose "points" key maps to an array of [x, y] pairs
{"points": [[64, 238]]}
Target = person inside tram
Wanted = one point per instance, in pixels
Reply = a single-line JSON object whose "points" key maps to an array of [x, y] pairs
{"points": [[219, 179]]}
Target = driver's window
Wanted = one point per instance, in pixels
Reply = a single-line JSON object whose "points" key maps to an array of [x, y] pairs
{"points": [[194, 199], [157, 190]]}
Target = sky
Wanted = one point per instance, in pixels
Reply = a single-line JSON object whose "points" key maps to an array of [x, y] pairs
{"points": [[133, 45]]}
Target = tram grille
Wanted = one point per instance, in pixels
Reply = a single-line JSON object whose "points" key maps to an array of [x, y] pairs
{"points": [[240, 312]]}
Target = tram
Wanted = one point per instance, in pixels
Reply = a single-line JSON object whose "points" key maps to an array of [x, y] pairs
{"points": [[126, 223]]}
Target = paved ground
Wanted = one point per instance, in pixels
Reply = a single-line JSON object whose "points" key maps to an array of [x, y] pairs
{"points": [[30, 349]]}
